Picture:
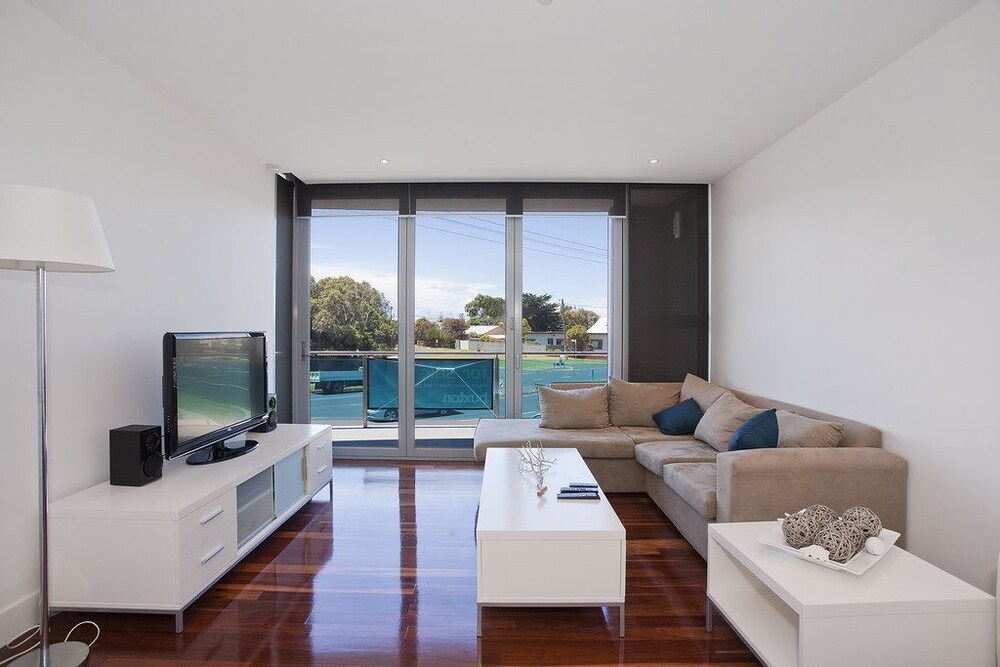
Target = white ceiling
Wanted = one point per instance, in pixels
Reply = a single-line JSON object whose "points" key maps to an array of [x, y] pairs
{"points": [[503, 89]]}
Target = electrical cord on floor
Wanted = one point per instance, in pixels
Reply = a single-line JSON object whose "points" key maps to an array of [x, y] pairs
{"points": [[29, 634]]}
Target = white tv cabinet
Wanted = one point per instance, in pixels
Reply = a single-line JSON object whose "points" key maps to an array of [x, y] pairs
{"points": [[156, 548]]}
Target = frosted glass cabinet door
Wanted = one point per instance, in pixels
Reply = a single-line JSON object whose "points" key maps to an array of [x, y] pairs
{"points": [[289, 480], [254, 505]]}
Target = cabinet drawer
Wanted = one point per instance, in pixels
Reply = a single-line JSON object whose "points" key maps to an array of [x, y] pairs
{"points": [[319, 464], [206, 522], [320, 472], [206, 562]]}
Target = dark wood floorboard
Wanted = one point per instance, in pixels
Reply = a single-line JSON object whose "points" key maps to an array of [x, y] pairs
{"points": [[386, 575]]}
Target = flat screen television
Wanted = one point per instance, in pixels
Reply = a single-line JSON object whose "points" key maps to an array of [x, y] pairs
{"points": [[214, 388]]}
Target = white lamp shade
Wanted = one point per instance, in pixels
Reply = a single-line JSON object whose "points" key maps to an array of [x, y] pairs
{"points": [[53, 229]]}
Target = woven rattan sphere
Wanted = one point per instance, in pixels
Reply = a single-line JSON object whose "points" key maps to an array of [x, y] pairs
{"points": [[842, 539], [822, 514], [865, 519], [799, 529]]}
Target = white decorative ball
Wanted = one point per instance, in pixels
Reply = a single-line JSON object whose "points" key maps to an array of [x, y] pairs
{"points": [[875, 546]]}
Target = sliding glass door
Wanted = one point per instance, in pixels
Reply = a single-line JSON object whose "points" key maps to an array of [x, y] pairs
{"points": [[459, 313], [353, 337], [564, 304], [428, 312]]}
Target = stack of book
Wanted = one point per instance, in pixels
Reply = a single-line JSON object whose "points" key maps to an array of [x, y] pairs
{"points": [[579, 491]]}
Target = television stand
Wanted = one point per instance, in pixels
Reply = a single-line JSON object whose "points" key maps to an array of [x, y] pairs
{"points": [[157, 548], [221, 452]]}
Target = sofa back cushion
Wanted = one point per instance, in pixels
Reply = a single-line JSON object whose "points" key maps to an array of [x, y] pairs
{"points": [[798, 431], [856, 434], [635, 403], [703, 392], [722, 419], [574, 408]]}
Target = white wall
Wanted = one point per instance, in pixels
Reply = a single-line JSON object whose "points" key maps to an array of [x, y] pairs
{"points": [[189, 221], [857, 270]]}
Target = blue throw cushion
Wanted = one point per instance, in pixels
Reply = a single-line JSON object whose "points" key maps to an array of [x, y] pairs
{"points": [[758, 432], [680, 419]]}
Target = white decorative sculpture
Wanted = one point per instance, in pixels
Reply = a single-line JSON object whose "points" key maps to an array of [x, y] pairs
{"points": [[534, 462]]}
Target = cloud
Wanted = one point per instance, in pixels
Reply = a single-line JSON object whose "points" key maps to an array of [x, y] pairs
{"points": [[434, 295]]}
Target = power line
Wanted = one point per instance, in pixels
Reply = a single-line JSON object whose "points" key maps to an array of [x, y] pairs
{"points": [[480, 238], [548, 243], [550, 236]]}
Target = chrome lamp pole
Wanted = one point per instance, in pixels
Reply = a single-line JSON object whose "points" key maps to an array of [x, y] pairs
{"points": [[44, 230]]}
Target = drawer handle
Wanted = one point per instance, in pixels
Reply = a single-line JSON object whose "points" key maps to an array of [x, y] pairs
{"points": [[215, 552], [217, 512], [321, 470], [322, 444]]}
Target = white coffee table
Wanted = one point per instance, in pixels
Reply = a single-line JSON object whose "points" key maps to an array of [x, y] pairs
{"points": [[903, 611], [545, 552]]}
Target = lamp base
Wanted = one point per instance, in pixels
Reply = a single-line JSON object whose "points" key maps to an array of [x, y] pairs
{"points": [[61, 654]]}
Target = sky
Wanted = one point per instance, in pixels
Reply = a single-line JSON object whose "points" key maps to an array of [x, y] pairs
{"points": [[461, 255]]}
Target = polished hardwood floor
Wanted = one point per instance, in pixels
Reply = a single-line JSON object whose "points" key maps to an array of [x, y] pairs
{"points": [[386, 575]]}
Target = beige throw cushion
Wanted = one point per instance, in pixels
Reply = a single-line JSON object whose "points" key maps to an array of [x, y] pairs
{"points": [[722, 418], [635, 403], [574, 408], [703, 392], [798, 431]]}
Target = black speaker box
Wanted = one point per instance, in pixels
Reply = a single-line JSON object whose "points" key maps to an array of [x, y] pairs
{"points": [[272, 416], [134, 455]]}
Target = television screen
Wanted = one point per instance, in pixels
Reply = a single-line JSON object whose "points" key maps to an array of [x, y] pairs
{"points": [[215, 387]]}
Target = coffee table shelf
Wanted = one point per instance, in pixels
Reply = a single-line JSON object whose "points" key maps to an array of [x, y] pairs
{"points": [[790, 612]]}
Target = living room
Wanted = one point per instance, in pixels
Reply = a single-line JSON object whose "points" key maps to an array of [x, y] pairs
{"points": [[848, 153]]}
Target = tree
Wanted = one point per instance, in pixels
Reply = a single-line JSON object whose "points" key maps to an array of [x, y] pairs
{"points": [[452, 329], [485, 309], [541, 313], [582, 316], [427, 332], [578, 336], [349, 315]]}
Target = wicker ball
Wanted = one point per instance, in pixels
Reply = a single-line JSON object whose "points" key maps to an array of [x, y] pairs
{"points": [[799, 529], [865, 519], [822, 514], [842, 539]]}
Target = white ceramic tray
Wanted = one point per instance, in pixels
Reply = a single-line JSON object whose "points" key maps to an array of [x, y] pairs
{"points": [[858, 564]]}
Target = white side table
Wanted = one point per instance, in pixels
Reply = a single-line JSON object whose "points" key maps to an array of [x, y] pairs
{"points": [[903, 611]]}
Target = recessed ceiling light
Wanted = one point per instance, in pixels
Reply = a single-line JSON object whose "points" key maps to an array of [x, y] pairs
{"points": [[654, 160], [384, 160]]}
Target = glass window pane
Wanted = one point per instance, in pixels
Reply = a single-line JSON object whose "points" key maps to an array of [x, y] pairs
{"points": [[565, 300], [459, 317], [353, 327]]}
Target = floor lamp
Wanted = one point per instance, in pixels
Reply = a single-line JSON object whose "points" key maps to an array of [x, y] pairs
{"points": [[44, 230]]}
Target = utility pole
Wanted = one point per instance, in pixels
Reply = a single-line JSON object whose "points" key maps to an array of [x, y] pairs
{"points": [[562, 314]]}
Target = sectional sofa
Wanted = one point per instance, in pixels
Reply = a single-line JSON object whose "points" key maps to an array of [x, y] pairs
{"points": [[819, 458]]}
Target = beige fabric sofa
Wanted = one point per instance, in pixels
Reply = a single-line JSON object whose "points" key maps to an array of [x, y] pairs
{"points": [[694, 485]]}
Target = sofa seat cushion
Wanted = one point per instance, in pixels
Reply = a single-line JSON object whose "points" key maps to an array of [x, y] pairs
{"points": [[640, 434], [654, 455], [596, 443], [696, 484]]}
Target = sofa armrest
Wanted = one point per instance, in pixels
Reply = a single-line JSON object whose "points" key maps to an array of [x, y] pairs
{"points": [[763, 484]]}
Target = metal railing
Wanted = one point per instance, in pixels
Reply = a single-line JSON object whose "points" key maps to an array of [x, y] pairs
{"points": [[366, 355], [562, 369]]}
